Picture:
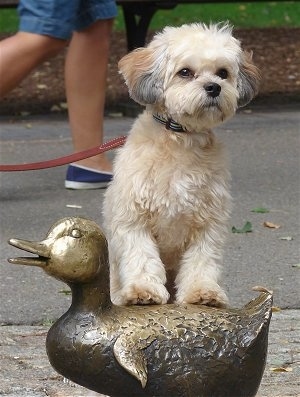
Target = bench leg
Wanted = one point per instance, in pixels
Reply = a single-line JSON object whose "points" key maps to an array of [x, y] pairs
{"points": [[137, 19]]}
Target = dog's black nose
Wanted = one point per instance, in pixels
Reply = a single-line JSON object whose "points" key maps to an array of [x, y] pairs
{"points": [[212, 89]]}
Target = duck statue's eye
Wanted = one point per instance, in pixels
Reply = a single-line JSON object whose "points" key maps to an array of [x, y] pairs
{"points": [[76, 233]]}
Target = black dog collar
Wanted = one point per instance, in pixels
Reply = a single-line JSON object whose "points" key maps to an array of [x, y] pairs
{"points": [[169, 123]]}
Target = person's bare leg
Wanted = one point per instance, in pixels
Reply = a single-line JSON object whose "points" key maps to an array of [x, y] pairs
{"points": [[85, 79], [21, 53]]}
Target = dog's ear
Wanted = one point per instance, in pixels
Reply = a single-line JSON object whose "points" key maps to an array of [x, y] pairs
{"points": [[248, 79], [142, 70]]}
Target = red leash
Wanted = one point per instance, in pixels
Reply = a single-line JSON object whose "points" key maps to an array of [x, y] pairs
{"points": [[113, 144]]}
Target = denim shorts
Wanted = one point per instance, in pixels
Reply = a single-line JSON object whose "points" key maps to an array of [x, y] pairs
{"points": [[59, 18]]}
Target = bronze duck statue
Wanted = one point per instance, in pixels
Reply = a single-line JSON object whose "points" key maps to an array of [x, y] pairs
{"points": [[154, 351]]}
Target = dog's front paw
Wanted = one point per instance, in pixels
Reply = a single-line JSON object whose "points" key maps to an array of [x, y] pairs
{"points": [[201, 294], [141, 294]]}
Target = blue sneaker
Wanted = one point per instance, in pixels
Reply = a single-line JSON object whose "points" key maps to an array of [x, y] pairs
{"points": [[80, 177]]}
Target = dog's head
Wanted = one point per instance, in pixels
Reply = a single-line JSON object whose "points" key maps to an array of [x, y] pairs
{"points": [[193, 74]]}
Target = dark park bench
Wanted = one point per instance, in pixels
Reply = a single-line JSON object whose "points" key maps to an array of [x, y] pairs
{"points": [[138, 14]]}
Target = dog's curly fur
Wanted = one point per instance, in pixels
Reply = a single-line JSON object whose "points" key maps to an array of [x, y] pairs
{"points": [[166, 210]]}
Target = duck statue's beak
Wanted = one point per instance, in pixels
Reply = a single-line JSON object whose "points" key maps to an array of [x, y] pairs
{"points": [[39, 248]]}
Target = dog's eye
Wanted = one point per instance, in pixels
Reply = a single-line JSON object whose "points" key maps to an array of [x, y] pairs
{"points": [[186, 72], [222, 73]]}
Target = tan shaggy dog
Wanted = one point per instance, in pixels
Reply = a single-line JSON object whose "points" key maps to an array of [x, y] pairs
{"points": [[166, 210]]}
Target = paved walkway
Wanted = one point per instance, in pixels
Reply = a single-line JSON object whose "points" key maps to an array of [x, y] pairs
{"points": [[264, 151]]}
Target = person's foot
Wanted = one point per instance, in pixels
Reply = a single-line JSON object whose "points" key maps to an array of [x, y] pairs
{"points": [[81, 177], [96, 163]]}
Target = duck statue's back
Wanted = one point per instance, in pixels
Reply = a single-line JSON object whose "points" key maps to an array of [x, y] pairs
{"points": [[135, 351]]}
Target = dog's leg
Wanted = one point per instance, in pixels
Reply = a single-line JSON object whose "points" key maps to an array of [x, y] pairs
{"points": [[137, 273], [197, 279]]}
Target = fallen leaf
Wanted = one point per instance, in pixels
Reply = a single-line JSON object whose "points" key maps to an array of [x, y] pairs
{"points": [[247, 228], [271, 225], [65, 291], [37, 74], [24, 114], [297, 265], [281, 369], [42, 86], [260, 210], [47, 322], [63, 105], [116, 114], [55, 108], [287, 238]]}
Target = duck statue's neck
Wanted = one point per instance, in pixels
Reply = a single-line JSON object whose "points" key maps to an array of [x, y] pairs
{"points": [[91, 296], [87, 297]]}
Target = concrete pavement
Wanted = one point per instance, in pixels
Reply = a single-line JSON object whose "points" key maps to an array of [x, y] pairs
{"points": [[263, 147]]}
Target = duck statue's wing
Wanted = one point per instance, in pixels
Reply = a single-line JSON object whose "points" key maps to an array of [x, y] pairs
{"points": [[129, 352]]}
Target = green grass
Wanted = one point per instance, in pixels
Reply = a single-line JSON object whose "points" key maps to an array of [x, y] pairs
{"points": [[239, 14], [247, 15], [266, 14], [8, 20]]}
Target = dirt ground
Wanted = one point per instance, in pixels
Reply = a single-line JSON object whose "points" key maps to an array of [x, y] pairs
{"points": [[276, 53]]}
